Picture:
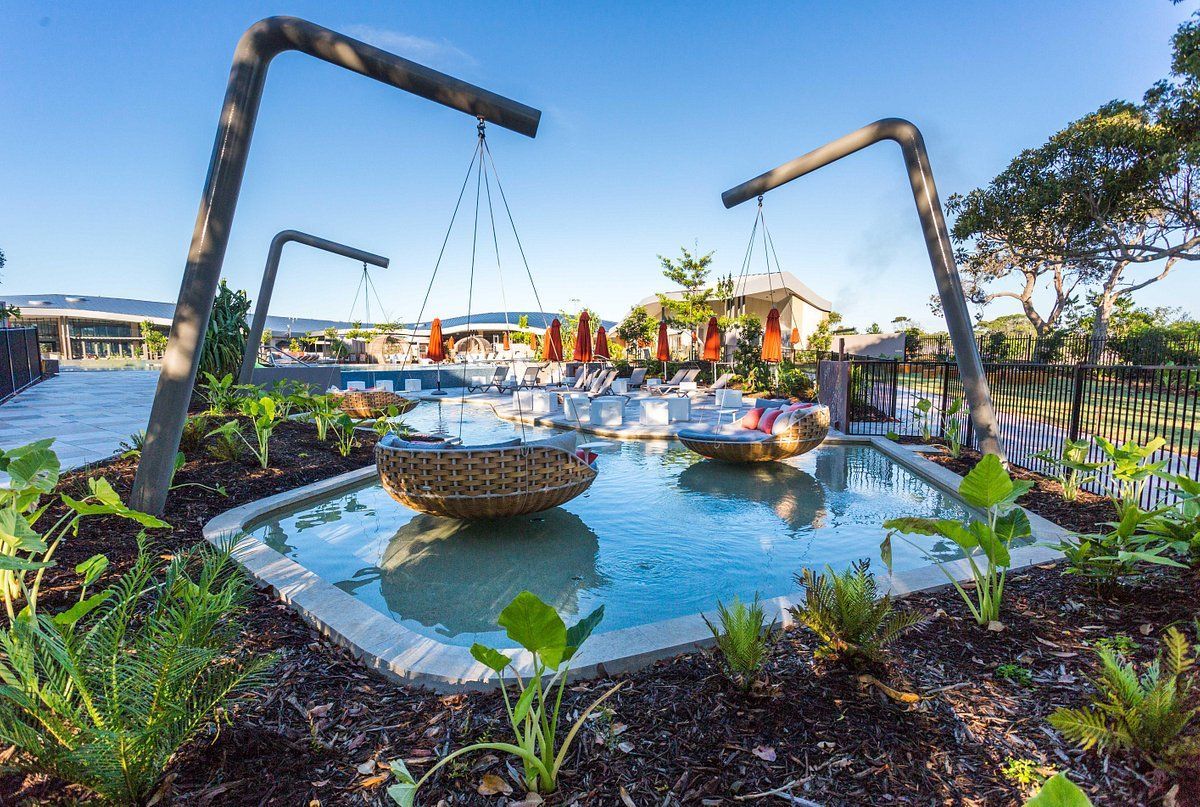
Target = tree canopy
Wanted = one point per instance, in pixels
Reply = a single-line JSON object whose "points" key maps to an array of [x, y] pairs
{"points": [[690, 271]]}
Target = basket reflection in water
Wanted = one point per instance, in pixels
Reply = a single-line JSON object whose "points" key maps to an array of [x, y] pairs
{"points": [[661, 533]]}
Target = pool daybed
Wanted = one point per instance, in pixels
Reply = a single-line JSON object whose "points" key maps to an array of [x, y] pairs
{"points": [[763, 435]]}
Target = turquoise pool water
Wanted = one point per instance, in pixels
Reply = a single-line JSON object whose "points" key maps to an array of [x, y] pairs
{"points": [[660, 534]]}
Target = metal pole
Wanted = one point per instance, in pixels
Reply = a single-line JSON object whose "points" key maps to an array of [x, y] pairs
{"points": [[261, 43], [937, 242], [263, 303]]}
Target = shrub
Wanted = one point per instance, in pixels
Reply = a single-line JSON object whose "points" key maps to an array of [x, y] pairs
{"points": [[228, 444], [1131, 470], [536, 626], [322, 410], [227, 332], [1073, 470], [1022, 771], [342, 426], [1179, 524], [195, 430], [1120, 552], [104, 693], [989, 488], [742, 639], [844, 610], [1015, 673], [264, 417], [223, 396], [1149, 712]]}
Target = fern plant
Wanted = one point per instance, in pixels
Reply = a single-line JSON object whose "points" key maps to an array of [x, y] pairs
{"points": [[1150, 712], [844, 610], [228, 443], [742, 639], [104, 693]]}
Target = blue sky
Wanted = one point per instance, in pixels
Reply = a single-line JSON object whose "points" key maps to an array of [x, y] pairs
{"points": [[649, 112]]}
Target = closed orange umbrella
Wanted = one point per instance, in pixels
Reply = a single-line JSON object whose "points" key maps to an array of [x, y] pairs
{"points": [[437, 351], [664, 347], [772, 344], [506, 345], [602, 343], [533, 344], [712, 341], [583, 339], [795, 337], [553, 351], [450, 344]]}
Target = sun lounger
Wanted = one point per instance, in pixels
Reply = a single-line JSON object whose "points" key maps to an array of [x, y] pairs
{"points": [[682, 377], [530, 379], [497, 381]]}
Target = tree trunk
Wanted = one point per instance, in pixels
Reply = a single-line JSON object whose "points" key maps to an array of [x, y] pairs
{"points": [[1100, 320]]}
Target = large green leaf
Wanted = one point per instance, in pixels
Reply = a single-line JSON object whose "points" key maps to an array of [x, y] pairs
{"points": [[577, 634], [81, 609], [535, 626], [1013, 525], [987, 485], [945, 527], [405, 789], [492, 659], [1059, 791], [16, 534], [108, 502], [38, 469], [993, 547], [92, 568]]}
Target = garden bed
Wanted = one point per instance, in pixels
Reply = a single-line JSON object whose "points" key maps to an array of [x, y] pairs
{"points": [[677, 732]]}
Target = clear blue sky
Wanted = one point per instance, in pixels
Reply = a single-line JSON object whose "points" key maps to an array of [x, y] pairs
{"points": [[650, 111]]}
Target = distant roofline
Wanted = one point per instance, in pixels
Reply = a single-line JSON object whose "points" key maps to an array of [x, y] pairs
{"points": [[760, 283]]}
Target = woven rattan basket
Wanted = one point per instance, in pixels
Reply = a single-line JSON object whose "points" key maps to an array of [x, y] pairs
{"points": [[807, 432], [482, 484], [372, 403]]}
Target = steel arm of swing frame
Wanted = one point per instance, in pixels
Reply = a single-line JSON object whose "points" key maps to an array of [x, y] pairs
{"points": [[263, 302], [261, 43], [937, 242]]}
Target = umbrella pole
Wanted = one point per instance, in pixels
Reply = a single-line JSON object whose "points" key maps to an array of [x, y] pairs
{"points": [[439, 390]]}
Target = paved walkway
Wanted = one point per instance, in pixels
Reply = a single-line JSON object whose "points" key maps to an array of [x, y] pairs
{"points": [[88, 413]]}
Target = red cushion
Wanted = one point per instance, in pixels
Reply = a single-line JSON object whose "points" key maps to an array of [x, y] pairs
{"points": [[751, 418], [587, 456], [768, 420]]}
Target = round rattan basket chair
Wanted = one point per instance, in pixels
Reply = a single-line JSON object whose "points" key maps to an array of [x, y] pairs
{"points": [[373, 403], [483, 482], [733, 444]]}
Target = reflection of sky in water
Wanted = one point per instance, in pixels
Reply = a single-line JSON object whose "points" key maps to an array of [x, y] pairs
{"points": [[660, 534]]}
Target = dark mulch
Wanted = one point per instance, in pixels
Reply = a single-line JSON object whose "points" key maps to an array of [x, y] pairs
{"points": [[678, 732], [1087, 513]]}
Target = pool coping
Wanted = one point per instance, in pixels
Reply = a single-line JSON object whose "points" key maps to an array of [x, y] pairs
{"points": [[407, 657]]}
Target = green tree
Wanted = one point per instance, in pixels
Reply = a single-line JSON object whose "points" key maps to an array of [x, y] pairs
{"points": [[154, 340], [822, 338], [874, 328], [637, 327], [690, 272], [1107, 204]]}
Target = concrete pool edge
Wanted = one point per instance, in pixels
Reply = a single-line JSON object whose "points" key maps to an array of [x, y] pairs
{"points": [[404, 656]]}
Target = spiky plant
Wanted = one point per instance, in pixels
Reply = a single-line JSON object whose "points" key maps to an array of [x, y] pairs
{"points": [[225, 338], [105, 693], [844, 610], [1149, 712], [742, 639]]}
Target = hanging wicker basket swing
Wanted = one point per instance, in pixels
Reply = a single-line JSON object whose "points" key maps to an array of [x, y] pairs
{"points": [[484, 482], [496, 481], [373, 403]]}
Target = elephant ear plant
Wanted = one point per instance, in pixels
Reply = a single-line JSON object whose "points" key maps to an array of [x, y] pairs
{"points": [[533, 716], [984, 542]]}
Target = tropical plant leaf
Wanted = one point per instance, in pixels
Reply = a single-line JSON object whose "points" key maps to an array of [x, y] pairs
{"points": [[490, 658], [535, 626], [1059, 791], [987, 484]]}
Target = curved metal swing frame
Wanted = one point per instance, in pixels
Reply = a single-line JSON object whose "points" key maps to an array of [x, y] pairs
{"points": [[259, 45], [271, 270]]}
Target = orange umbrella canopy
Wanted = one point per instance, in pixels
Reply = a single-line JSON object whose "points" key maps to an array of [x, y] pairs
{"points": [[533, 344], [553, 351], [437, 351], [795, 337], [450, 343], [583, 339], [772, 344], [664, 347], [602, 343], [712, 341], [506, 345]]}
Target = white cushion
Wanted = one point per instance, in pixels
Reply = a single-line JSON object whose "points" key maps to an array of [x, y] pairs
{"points": [[783, 423]]}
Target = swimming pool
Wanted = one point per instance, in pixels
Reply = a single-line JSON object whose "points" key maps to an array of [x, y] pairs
{"points": [[661, 534]]}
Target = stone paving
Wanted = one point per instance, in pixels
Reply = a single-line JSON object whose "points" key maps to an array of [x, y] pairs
{"points": [[88, 413]]}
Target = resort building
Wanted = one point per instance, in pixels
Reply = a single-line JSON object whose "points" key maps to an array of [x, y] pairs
{"points": [[799, 306], [86, 327]]}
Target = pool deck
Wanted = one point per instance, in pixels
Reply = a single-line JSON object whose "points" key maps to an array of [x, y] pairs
{"points": [[703, 411]]}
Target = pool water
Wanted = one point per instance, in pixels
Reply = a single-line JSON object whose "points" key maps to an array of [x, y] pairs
{"points": [[660, 534]]}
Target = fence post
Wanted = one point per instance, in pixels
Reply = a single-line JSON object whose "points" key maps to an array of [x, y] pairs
{"points": [[945, 399], [12, 373], [1076, 402]]}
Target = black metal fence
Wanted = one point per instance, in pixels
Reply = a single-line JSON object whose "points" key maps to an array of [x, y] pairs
{"points": [[20, 360], [1038, 406], [1066, 348]]}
